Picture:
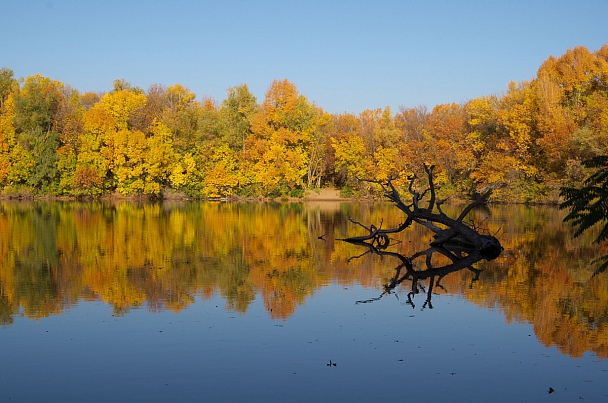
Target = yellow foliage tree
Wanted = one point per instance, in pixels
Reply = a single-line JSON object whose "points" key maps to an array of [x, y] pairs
{"points": [[7, 136], [278, 151], [350, 158], [129, 161], [222, 177], [159, 159], [121, 104], [183, 173]]}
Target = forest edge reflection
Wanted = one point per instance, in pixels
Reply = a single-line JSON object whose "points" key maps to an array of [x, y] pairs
{"points": [[155, 256]]}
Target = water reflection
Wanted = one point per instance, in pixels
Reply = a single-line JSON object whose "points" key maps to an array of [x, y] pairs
{"points": [[405, 272], [164, 256]]}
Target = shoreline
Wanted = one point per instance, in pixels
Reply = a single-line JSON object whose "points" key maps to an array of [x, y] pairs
{"points": [[316, 195], [324, 195]]}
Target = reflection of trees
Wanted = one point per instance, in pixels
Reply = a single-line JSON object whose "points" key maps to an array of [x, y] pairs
{"points": [[158, 255], [546, 280], [163, 256]]}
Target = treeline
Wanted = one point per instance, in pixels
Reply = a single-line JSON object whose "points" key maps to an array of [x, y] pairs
{"points": [[525, 143]]}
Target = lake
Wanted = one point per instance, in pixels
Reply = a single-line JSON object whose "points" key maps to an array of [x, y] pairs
{"points": [[205, 301]]}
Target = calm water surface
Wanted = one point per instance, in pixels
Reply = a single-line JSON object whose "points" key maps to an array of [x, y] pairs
{"points": [[228, 302]]}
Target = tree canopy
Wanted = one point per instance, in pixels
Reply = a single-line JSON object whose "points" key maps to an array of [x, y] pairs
{"points": [[525, 144]]}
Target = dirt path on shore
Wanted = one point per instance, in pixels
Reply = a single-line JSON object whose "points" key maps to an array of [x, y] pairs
{"points": [[328, 194]]}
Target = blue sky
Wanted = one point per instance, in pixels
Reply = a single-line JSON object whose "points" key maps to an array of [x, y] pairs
{"points": [[345, 56]]}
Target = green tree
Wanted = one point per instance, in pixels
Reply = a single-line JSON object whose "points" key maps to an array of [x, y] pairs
{"points": [[8, 85], [236, 114], [120, 84], [45, 172], [181, 115], [36, 106]]}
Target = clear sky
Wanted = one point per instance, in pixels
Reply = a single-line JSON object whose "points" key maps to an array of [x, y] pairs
{"points": [[345, 56]]}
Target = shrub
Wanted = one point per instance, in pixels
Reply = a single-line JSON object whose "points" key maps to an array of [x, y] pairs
{"points": [[298, 193]]}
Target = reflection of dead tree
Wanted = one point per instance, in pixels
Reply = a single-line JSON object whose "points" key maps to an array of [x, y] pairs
{"points": [[460, 243], [450, 233], [405, 271]]}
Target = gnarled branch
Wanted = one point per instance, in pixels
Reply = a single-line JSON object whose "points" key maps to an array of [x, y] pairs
{"points": [[450, 233]]}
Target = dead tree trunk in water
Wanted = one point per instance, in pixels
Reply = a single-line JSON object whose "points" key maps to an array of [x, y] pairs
{"points": [[451, 233]]}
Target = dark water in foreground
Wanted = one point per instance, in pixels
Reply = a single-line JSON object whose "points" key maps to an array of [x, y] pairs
{"points": [[228, 302]]}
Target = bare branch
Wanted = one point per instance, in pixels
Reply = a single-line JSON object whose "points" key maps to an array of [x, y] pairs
{"points": [[447, 230], [479, 200]]}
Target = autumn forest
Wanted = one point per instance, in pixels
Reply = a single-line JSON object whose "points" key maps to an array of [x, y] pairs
{"points": [[525, 143]]}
